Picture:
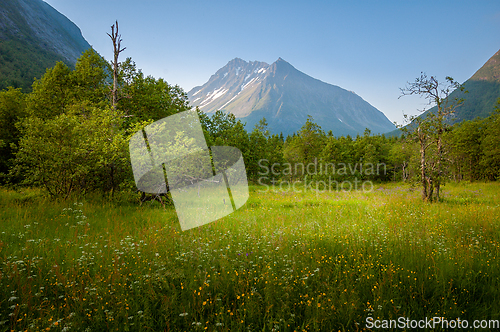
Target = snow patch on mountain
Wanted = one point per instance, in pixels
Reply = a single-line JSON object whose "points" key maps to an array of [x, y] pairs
{"points": [[218, 93], [213, 96], [222, 107], [253, 80]]}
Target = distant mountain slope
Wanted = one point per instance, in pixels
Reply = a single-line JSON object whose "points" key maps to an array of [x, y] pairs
{"points": [[285, 97], [34, 36], [483, 92]]}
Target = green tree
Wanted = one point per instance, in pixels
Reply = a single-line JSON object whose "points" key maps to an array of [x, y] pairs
{"points": [[12, 110], [90, 79], [60, 87], [490, 145], [331, 155], [51, 94], [400, 156], [69, 152], [266, 151], [146, 98], [306, 147], [466, 151], [369, 154]]}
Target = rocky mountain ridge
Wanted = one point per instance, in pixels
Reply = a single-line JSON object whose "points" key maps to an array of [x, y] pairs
{"points": [[285, 97]]}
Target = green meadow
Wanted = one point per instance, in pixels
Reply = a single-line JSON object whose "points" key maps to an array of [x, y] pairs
{"points": [[285, 261]]}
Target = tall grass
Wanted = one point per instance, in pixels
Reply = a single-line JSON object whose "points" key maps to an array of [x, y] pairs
{"points": [[284, 262]]}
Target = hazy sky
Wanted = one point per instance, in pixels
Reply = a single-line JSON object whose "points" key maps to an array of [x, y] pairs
{"points": [[370, 47]]}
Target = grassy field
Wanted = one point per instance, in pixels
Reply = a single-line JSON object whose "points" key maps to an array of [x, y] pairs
{"points": [[283, 262]]}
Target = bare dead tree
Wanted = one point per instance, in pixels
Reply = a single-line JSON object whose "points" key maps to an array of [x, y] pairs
{"points": [[431, 127], [116, 38]]}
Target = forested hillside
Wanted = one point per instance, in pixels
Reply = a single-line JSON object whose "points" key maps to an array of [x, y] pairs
{"points": [[33, 37]]}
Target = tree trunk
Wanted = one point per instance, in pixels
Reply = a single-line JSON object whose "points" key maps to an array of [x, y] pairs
{"points": [[405, 175], [430, 189], [440, 154], [423, 174], [116, 38]]}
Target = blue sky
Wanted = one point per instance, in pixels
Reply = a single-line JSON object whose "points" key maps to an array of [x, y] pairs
{"points": [[370, 47]]}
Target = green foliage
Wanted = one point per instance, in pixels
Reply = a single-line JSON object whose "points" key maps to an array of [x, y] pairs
{"points": [[51, 93], [474, 148], [62, 87], [266, 150], [72, 152], [222, 129], [465, 149], [400, 158], [89, 79], [305, 147], [490, 146], [146, 98], [12, 110]]}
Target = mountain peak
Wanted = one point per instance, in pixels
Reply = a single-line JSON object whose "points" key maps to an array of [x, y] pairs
{"points": [[285, 67], [240, 63], [281, 61], [285, 97], [237, 60]]}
